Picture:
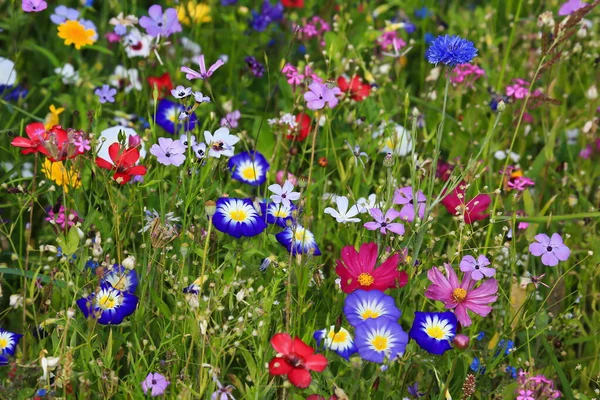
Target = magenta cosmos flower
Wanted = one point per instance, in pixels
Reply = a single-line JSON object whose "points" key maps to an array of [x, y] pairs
{"points": [[551, 249], [404, 197], [477, 267], [384, 223], [319, 94], [461, 296]]}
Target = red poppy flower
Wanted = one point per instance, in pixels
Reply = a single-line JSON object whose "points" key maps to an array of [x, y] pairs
{"points": [[357, 270], [295, 359], [163, 83], [303, 129], [293, 3], [473, 210], [123, 163], [53, 143], [356, 89]]}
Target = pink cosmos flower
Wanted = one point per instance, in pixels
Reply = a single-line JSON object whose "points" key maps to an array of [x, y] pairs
{"points": [[320, 94], [404, 196], [473, 210], [461, 296], [385, 224], [552, 249], [477, 267]]}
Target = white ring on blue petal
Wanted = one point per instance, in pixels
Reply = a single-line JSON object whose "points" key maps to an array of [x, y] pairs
{"points": [[362, 305], [298, 240], [248, 170], [167, 117], [109, 305], [381, 338], [121, 278], [341, 341], [237, 217], [278, 213], [434, 331]]}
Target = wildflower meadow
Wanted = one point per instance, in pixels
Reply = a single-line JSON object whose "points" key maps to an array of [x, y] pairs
{"points": [[299, 199]]}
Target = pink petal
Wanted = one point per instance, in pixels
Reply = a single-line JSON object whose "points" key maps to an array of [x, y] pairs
{"points": [[391, 214], [556, 240], [372, 225], [461, 314], [376, 214], [480, 309], [452, 277]]}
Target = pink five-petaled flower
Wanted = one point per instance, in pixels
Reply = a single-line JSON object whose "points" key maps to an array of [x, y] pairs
{"points": [[33, 5], [384, 223], [525, 394], [155, 383], [320, 94], [295, 359], [477, 267], [358, 270], [404, 197], [190, 74], [552, 249], [461, 296]]}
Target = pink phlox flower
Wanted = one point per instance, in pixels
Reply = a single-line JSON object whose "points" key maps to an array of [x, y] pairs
{"points": [[319, 95], [384, 223], [552, 250], [81, 143], [461, 296]]}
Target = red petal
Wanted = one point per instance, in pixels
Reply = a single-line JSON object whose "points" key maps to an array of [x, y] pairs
{"points": [[282, 343], [113, 151], [316, 362], [102, 163], [130, 157], [23, 142], [138, 170], [61, 135], [35, 130], [278, 366], [302, 349], [300, 378], [122, 177], [342, 84]]}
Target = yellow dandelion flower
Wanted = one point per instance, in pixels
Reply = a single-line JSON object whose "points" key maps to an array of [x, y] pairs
{"points": [[52, 117], [195, 13], [57, 172], [75, 33]]}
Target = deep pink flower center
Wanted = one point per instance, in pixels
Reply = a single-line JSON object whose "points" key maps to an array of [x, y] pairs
{"points": [[295, 360]]}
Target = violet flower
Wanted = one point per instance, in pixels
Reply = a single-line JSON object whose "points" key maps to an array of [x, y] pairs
{"points": [[404, 196], [551, 249], [477, 267], [155, 383], [160, 24], [320, 94], [106, 94], [169, 151], [34, 5], [384, 223]]}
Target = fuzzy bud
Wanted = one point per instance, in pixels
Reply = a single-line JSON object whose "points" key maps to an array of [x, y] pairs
{"points": [[388, 161], [501, 106], [461, 341]]}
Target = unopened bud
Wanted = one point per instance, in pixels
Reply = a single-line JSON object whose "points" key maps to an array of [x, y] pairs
{"points": [[501, 106], [129, 262], [388, 161], [210, 208], [461, 341]]}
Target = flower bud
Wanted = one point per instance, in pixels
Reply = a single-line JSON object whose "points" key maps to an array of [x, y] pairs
{"points": [[210, 208], [501, 105], [129, 262], [461, 341], [70, 312], [134, 141], [302, 182], [388, 161]]}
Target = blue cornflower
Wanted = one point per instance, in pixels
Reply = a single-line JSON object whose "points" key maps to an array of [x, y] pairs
{"points": [[451, 51], [512, 371], [476, 366], [429, 38], [106, 94]]}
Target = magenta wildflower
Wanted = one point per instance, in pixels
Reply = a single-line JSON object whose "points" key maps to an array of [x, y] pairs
{"points": [[404, 197], [520, 183], [552, 249], [190, 74], [320, 94], [461, 296], [477, 267], [294, 78], [155, 383], [63, 218], [384, 223], [82, 144]]}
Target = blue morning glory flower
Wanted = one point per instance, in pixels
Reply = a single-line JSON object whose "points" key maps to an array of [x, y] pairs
{"points": [[167, 117], [451, 51], [341, 341], [298, 240], [434, 331], [8, 345], [109, 305], [362, 305], [380, 338], [249, 167], [278, 213], [121, 278], [237, 217]]}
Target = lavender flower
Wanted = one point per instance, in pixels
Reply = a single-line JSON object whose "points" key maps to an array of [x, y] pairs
{"points": [[319, 94], [200, 98], [62, 14], [384, 223], [181, 92], [106, 94], [160, 24], [477, 267], [169, 151], [155, 383], [551, 249]]}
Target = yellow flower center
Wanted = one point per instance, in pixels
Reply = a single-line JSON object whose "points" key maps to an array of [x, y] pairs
{"points": [[380, 343], [3, 343], [459, 294], [435, 332], [107, 301], [73, 32], [238, 215], [369, 314], [365, 279], [339, 337], [299, 235], [249, 173]]}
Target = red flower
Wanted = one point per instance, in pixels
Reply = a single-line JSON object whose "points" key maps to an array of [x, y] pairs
{"points": [[473, 210], [37, 134], [303, 129], [163, 83], [295, 359], [123, 163], [356, 89], [357, 270], [53, 143], [293, 3]]}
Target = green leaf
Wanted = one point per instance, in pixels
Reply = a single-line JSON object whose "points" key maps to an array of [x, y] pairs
{"points": [[33, 275], [100, 49], [51, 57], [72, 241], [565, 384]]}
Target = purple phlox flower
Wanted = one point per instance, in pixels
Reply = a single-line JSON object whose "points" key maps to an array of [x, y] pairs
{"points": [[478, 267], [169, 151], [155, 383], [200, 98], [160, 24], [320, 94], [404, 197], [63, 13], [106, 94], [570, 7], [517, 91], [413, 390], [181, 92], [384, 223], [231, 119], [190, 74], [34, 5], [552, 249]]}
